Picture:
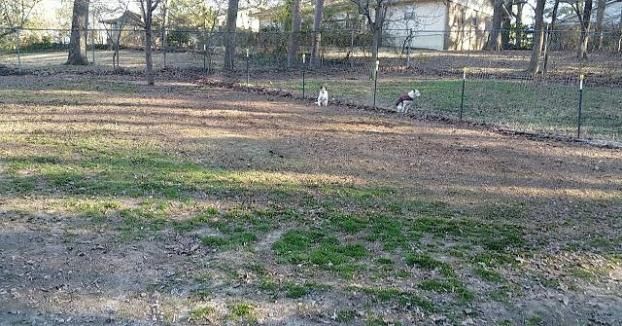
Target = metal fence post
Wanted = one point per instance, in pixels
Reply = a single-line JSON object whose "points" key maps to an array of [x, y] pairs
{"points": [[462, 96], [376, 81], [580, 105], [303, 74]]}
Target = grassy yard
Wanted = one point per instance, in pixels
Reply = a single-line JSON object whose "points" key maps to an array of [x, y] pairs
{"points": [[125, 204], [546, 107]]}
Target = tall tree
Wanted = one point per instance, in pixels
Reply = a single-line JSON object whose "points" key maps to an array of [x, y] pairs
{"points": [[494, 41], [538, 41], [506, 24], [230, 43], [148, 7], [600, 15], [79, 29], [163, 37], [550, 31], [585, 21], [294, 35], [375, 12], [317, 32], [15, 15]]}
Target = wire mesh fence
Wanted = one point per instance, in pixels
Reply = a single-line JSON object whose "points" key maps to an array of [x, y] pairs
{"points": [[497, 88]]}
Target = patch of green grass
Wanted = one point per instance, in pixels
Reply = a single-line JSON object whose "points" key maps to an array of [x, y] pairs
{"points": [[140, 222], [384, 261], [492, 258], [488, 274], [295, 290], [348, 223], [199, 314], [196, 221], [389, 231], [345, 316], [267, 284], [242, 310], [534, 320], [396, 295], [377, 321], [448, 285], [97, 209], [315, 247], [427, 262], [491, 236], [240, 228], [582, 273], [505, 292]]}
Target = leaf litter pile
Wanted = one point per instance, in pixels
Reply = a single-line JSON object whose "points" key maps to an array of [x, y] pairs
{"points": [[189, 204]]}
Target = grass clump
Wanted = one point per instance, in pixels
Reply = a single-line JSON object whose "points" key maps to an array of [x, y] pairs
{"points": [[396, 295], [427, 262], [345, 316], [242, 311], [196, 221], [317, 248], [448, 285], [488, 274], [200, 314], [491, 236]]}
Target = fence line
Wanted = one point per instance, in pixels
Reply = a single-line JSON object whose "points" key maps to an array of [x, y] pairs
{"points": [[462, 83]]}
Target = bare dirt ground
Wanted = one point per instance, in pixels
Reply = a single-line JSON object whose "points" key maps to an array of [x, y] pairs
{"points": [[180, 204]]}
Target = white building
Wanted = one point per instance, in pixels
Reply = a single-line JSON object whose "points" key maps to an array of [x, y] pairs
{"points": [[439, 25], [434, 24]]}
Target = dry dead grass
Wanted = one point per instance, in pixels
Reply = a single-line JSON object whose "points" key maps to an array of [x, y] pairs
{"points": [[62, 257]]}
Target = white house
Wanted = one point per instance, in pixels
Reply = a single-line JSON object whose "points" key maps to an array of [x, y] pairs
{"points": [[440, 25], [434, 24], [247, 19]]}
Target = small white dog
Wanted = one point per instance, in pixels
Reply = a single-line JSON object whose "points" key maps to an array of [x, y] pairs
{"points": [[322, 98], [405, 102]]}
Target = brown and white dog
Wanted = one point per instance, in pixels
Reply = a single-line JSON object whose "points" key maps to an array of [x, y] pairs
{"points": [[405, 102]]}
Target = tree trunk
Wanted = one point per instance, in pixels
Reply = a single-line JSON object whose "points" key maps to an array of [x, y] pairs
{"points": [[506, 25], [230, 43], [148, 7], [163, 40], [600, 15], [148, 55], [585, 29], [294, 36], [494, 43], [317, 36], [79, 25], [377, 38], [519, 25], [550, 36], [534, 63]]}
